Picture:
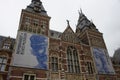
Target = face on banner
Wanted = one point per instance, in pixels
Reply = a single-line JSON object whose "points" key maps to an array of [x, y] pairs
{"points": [[31, 51], [38, 45], [102, 61]]}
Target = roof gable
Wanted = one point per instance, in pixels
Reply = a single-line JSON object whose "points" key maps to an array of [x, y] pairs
{"points": [[68, 35], [68, 30]]}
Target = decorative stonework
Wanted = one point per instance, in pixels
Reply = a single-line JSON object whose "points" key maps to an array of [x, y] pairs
{"points": [[55, 76], [69, 37], [54, 47], [86, 52], [97, 42], [74, 77]]}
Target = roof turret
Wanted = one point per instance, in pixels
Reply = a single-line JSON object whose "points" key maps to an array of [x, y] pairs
{"points": [[84, 22], [36, 0], [81, 16], [36, 7]]}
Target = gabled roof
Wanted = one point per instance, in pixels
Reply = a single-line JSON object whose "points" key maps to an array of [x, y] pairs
{"points": [[68, 29], [69, 36]]}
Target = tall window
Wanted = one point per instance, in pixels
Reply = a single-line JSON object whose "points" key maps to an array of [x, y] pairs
{"points": [[54, 63], [89, 68], [3, 63], [29, 77], [43, 26], [27, 23], [72, 60]]}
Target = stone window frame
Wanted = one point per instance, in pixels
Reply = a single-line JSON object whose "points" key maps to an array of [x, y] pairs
{"points": [[72, 60], [28, 75], [54, 63], [89, 67]]}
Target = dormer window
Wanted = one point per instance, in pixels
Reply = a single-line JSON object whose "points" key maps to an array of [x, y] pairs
{"points": [[6, 46], [37, 3], [37, 9], [52, 34]]}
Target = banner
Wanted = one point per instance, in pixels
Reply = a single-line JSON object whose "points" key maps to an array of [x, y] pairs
{"points": [[103, 61], [31, 51]]}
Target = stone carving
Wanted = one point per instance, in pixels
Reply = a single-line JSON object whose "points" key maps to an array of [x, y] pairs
{"points": [[97, 42]]}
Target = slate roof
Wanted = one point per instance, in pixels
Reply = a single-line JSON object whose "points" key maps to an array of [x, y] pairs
{"points": [[55, 34]]}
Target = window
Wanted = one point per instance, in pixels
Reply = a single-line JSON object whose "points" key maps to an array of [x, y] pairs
{"points": [[43, 24], [72, 60], [6, 46], [31, 24], [38, 30], [29, 77], [54, 63], [52, 34], [89, 68], [35, 22], [3, 63], [27, 19], [76, 62], [34, 30]]}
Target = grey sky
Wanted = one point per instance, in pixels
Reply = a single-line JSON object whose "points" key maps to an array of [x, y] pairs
{"points": [[104, 13]]}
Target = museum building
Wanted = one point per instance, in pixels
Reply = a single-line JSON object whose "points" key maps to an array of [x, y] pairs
{"points": [[39, 53]]}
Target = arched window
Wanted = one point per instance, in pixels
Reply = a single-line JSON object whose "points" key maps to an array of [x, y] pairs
{"points": [[72, 60]]}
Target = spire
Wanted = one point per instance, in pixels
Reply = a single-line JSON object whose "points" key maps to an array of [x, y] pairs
{"points": [[81, 15], [81, 10], [82, 20], [68, 22]]}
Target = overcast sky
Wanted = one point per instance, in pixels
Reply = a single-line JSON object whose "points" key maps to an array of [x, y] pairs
{"points": [[105, 14]]}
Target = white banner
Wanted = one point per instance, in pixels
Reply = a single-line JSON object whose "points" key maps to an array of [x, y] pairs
{"points": [[31, 51]]}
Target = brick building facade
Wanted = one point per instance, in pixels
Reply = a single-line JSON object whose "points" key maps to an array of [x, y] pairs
{"points": [[43, 54]]}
